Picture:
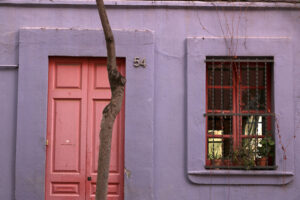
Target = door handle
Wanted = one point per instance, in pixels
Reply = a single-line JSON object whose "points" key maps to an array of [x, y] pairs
{"points": [[89, 178]]}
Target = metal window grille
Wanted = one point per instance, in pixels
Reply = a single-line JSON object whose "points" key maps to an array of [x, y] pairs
{"points": [[239, 117]]}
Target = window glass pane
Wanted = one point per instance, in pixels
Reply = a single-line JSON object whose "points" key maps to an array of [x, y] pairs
{"points": [[217, 79], [219, 148], [249, 99], [219, 125], [253, 125], [227, 148], [250, 144], [257, 125], [249, 149], [218, 100], [253, 75], [215, 148]]}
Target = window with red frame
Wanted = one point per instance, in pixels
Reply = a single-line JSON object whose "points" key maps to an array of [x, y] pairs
{"points": [[239, 117]]}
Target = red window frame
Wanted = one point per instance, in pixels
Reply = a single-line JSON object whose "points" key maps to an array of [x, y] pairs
{"points": [[236, 110]]}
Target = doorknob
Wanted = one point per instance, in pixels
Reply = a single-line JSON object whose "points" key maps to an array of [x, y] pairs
{"points": [[89, 178]]}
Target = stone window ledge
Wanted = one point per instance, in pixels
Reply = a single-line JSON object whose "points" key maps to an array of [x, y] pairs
{"points": [[239, 177]]}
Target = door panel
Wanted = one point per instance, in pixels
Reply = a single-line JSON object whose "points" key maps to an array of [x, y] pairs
{"points": [[66, 135], [66, 154], [78, 92], [98, 98]]}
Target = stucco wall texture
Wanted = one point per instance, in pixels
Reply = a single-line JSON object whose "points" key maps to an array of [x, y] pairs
{"points": [[171, 26]]}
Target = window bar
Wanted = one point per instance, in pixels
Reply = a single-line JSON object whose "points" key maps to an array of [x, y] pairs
{"points": [[248, 89], [222, 107], [237, 119], [266, 98], [231, 108], [248, 108], [239, 107], [256, 118], [266, 89], [213, 109]]}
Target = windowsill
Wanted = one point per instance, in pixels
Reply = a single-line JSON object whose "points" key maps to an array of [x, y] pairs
{"points": [[240, 177], [241, 173]]}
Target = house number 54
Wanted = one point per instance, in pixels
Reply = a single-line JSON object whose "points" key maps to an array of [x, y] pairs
{"points": [[139, 62]]}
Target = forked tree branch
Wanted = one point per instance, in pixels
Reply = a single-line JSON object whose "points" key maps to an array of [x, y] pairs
{"points": [[110, 112]]}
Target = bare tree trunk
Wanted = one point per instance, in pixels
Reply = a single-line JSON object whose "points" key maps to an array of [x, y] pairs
{"points": [[110, 112]]}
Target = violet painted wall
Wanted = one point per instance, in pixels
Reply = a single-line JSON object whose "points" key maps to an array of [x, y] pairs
{"points": [[8, 99], [171, 23]]}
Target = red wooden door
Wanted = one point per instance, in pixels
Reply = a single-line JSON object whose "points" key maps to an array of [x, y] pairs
{"points": [[77, 93]]}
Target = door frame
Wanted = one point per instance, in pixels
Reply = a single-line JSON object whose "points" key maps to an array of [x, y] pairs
{"points": [[36, 45]]}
